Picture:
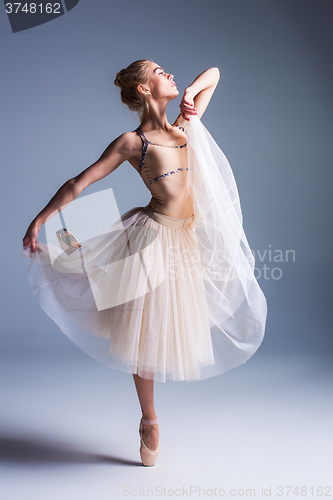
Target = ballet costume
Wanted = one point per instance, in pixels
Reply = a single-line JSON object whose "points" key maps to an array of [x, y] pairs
{"points": [[165, 297]]}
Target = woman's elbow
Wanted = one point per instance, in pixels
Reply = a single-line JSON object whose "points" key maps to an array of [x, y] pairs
{"points": [[79, 184], [216, 72]]}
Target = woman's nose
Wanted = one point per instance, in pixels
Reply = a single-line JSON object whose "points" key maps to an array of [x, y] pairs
{"points": [[170, 77]]}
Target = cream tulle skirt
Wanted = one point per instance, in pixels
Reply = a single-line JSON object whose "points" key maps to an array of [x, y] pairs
{"points": [[136, 300]]}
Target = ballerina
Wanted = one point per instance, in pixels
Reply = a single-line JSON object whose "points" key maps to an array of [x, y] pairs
{"points": [[176, 293]]}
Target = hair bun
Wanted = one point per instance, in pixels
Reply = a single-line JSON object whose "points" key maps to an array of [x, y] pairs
{"points": [[128, 79], [117, 80]]}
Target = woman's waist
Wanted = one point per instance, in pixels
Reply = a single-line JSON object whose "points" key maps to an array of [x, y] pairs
{"points": [[168, 220], [180, 208]]}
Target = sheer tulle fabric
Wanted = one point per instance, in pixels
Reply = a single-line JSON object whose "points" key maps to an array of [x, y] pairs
{"points": [[237, 305], [169, 299]]}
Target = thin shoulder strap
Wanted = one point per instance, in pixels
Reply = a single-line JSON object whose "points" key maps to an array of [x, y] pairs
{"points": [[144, 148], [181, 128]]}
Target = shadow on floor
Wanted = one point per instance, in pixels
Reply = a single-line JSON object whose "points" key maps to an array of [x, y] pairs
{"points": [[38, 451]]}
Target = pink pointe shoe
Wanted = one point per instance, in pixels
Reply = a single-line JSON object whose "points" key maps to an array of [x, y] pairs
{"points": [[148, 457]]}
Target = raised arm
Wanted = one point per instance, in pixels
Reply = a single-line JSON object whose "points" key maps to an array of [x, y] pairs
{"points": [[116, 153], [197, 96]]}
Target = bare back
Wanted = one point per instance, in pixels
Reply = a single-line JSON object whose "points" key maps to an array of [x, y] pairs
{"points": [[164, 170]]}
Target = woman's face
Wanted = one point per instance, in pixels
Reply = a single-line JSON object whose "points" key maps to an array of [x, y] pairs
{"points": [[161, 84]]}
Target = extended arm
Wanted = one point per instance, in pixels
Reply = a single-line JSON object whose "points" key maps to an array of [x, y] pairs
{"points": [[116, 153], [197, 96]]}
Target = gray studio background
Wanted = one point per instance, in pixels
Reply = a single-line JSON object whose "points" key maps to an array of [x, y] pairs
{"points": [[69, 426], [271, 114]]}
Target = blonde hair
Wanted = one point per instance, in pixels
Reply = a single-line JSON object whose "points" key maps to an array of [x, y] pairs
{"points": [[127, 80]]}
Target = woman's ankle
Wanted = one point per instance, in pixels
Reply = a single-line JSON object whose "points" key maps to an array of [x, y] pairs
{"points": [[149, 416]]}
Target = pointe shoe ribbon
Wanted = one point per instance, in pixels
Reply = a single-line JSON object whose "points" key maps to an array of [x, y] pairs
{"points": [[148, 457]]}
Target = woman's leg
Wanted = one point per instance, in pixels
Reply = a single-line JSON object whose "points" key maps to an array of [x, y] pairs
{"points": [[145, 390]]}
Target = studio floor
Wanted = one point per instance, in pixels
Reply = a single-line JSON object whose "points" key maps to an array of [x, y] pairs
{"points": [[69, 430]]}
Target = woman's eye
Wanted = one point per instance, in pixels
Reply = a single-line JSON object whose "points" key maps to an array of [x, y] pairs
{"points": [[161, 73]]}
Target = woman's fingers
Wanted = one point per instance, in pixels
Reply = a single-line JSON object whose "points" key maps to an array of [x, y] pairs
{"points": [[30, 238], [188, 107], [26, 242], [185, 112], [189, 111], [32, 245], [187, 103]]}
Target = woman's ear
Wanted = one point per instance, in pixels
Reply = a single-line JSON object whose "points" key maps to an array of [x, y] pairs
{"points": [[143, 89]]}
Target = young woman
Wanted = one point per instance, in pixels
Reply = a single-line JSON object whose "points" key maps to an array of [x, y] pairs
{"points": [[187, 303]]}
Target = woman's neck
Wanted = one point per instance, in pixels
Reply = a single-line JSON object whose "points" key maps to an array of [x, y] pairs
{"points": [[157, 118]]}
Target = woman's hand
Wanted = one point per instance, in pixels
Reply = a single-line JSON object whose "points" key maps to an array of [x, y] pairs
{"points": [[30, 238], [197, 96], [186, 106]]}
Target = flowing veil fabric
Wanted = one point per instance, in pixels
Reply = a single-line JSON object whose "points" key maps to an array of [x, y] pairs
{"points": [[173, 328], [238, 307]]}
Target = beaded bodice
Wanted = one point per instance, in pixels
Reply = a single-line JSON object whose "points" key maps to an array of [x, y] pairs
{"points": [[170, 195], [144, 153]]}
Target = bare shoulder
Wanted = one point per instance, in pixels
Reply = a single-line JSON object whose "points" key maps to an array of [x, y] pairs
{"points": [[128, 142], [129, 147]]}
